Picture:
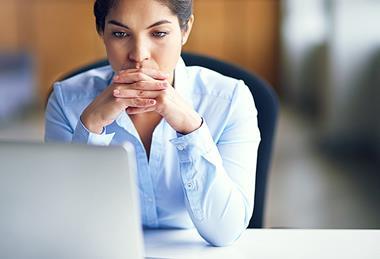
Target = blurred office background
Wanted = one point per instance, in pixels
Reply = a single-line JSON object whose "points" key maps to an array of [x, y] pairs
{"points": [[322, 57]]}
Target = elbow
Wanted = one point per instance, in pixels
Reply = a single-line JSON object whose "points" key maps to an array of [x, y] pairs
{"points": [[224, 222], [220, 241], [223, 236]]}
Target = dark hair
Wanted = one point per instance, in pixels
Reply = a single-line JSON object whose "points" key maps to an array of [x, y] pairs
{"points": [[182, 8]]}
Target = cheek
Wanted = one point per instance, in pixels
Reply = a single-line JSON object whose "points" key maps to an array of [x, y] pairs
{"points": [[115, 54], [166, 55]]}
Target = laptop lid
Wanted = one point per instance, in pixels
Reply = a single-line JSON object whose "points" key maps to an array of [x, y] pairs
{"points": [[68, 201]]}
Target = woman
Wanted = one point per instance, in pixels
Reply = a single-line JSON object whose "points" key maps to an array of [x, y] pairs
{"points": [[195, 131]]}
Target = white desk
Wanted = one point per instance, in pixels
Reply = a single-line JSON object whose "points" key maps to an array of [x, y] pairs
{"points": [[267, 243]]}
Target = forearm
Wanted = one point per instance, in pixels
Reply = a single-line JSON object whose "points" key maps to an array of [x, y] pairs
{"points": [[59, 128], [222, 211], [219, 191], [83, 135]]}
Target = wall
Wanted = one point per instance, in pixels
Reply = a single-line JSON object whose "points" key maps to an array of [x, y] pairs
{"points": [[245, 32], [330, 59], [351, 111], [60, 34]]}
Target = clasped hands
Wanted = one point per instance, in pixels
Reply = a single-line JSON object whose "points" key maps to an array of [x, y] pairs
{"points": [[138, 91]]}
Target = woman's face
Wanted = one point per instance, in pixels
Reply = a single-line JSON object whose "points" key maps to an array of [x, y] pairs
{"points": [[143, 33]]}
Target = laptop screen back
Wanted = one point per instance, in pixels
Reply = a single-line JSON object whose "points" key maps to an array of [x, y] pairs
{"points": [[68, 201]]}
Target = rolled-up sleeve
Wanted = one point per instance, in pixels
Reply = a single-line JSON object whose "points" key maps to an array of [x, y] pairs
{"points": [[58, 127], [219, 175]]}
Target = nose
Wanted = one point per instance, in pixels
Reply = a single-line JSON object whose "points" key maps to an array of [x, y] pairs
{"points": [[139, 52]]}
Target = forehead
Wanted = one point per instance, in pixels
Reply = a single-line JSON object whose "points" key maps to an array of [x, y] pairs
{"points": [[140, 12]]}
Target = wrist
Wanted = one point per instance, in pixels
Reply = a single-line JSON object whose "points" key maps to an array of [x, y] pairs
{"points": [[193, 123], [89, 124]]}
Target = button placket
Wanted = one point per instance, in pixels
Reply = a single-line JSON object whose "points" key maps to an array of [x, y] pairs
{"points": [[149, 205], [198, 214]]}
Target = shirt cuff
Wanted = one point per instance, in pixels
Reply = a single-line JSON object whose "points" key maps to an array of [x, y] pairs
{"points": [[194, 144], [83, 135]]}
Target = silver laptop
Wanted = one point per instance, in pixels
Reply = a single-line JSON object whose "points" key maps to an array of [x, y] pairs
{"points": [[68, 201]]}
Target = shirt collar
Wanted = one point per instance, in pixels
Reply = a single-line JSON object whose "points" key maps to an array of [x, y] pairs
{"points": [[182, 81]]}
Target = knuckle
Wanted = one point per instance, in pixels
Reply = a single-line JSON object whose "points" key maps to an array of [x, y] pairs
{"points": [[139, 75], [137, 102], [159, 108], [164, 96], [140, 93], [159, 101]]}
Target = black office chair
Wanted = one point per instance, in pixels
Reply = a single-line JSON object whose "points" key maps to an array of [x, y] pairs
{"points": [[266, 104]]}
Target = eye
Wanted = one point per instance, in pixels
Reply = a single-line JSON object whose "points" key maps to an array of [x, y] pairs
{"points": [[160, 34], [119, 34]]}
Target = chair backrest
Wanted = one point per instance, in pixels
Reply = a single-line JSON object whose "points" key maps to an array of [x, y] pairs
{"points": [[266, 104]]}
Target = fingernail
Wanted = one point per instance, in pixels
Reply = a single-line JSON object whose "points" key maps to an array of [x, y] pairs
{"points": [[115, 78], [116, 92]]}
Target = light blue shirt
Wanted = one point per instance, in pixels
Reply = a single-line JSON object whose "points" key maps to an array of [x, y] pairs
{"points": [[204, 179]]}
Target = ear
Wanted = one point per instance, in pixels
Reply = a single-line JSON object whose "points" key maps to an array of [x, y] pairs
{"points": [[186, 34]]}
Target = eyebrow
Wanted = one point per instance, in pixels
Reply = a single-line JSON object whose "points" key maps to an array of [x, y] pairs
{"points": [[114, 22]]}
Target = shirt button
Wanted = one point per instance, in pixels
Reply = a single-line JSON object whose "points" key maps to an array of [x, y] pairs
{"points": [[189, 185], [180, 147]]}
